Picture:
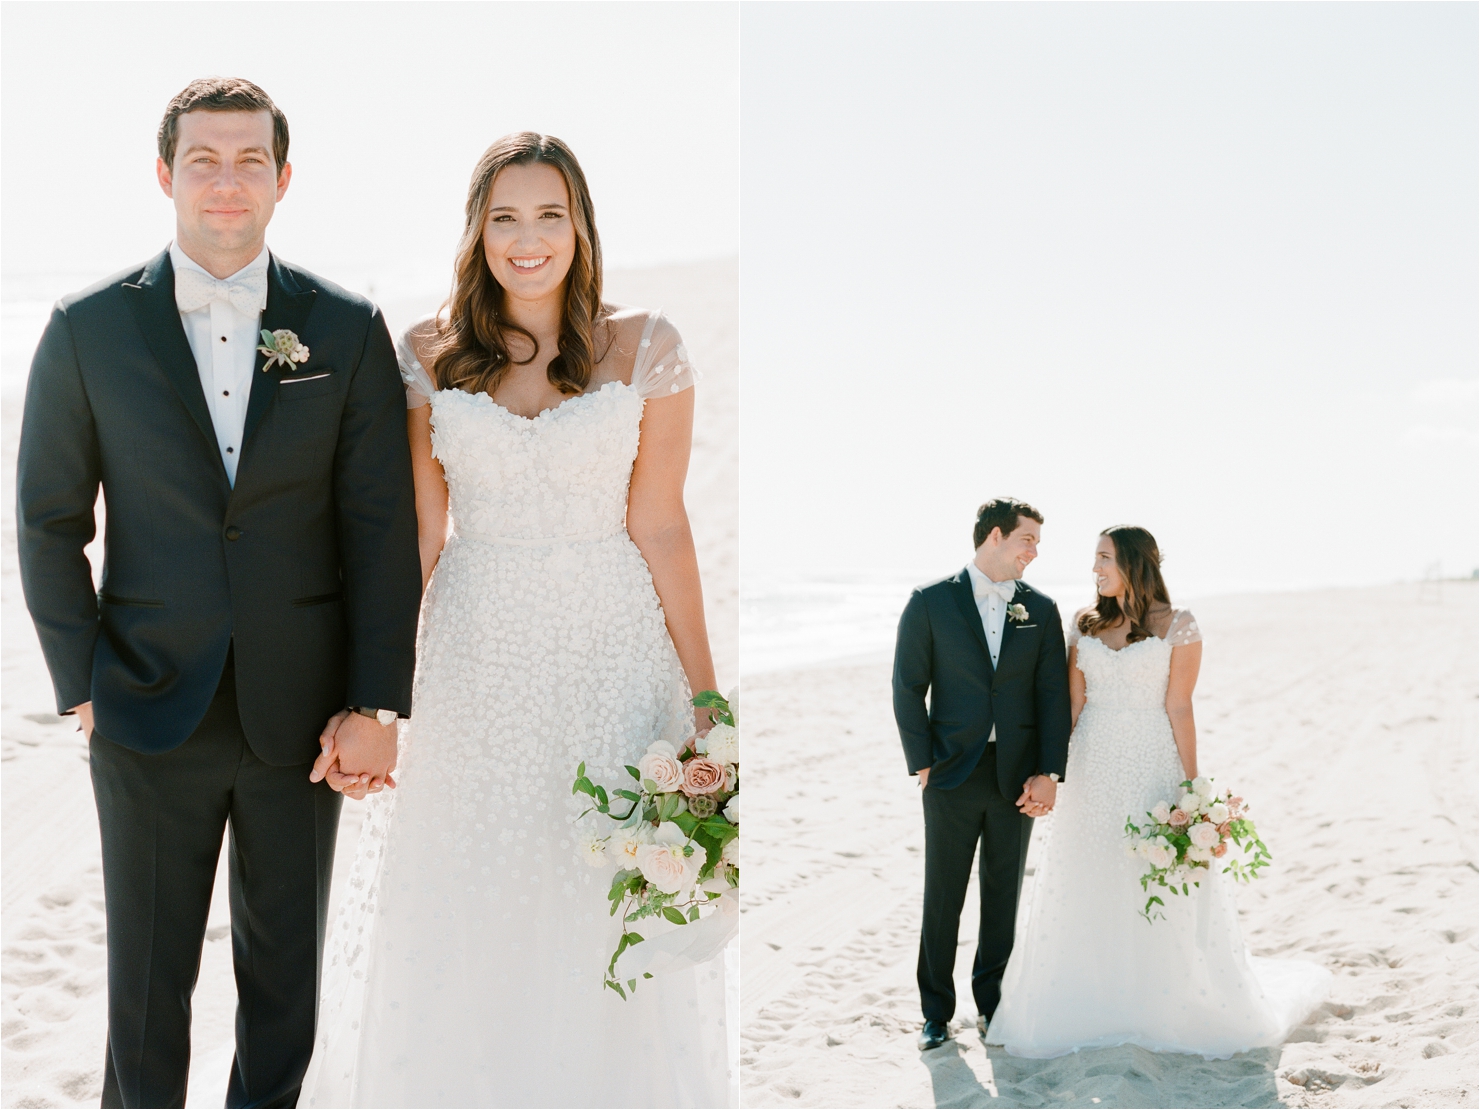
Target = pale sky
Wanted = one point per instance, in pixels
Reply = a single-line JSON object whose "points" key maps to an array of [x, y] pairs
{"points": [[389, 106], [1206, 268]]}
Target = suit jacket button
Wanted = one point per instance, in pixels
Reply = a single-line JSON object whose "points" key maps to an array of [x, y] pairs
{"points": [[233, 532]]}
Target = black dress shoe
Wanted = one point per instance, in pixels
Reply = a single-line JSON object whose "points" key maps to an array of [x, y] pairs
{"points": [[981, 1026], [935, 1034]]}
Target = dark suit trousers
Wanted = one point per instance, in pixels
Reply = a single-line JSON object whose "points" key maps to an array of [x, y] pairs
{"points": [[955, 822], [162, 818]]}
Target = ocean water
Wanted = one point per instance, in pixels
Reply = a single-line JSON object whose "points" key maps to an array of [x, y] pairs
{"points": [[803, 619]]}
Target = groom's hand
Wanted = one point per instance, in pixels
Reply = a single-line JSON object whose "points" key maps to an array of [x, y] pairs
{"points": [[924, 774], [1038, 796], [84, 719]]}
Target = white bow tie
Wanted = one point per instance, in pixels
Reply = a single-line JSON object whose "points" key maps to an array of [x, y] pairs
{"points": [[247, 293], [985, 587]]}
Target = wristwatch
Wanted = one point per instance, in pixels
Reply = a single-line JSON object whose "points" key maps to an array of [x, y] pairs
{"points": [[1053, 776], [384, 716]]}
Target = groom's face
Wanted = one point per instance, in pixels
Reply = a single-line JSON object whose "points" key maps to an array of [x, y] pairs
{"points": [[225, 181], [1005, 557]]}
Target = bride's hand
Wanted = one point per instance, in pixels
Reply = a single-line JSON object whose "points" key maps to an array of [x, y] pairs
{"points": [[328, 754]]}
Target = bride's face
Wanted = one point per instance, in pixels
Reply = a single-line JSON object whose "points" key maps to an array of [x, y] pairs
{"points": [[1107, 574], [529, 239]]}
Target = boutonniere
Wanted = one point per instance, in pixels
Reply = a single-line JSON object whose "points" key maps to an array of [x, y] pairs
{"points": [[1017, 612], [282, 346]]}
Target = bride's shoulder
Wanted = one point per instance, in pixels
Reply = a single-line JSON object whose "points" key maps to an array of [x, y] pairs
{"points": [[628, 325], [642, 348], [1182, 628], [418, 340]]}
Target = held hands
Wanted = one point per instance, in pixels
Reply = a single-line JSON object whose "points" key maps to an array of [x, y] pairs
{"points": [[1038, 796], [358, 755]]}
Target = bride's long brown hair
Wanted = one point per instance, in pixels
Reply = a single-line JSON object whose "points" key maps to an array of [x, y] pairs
{"points": [[471, 350], [1139, 561]]}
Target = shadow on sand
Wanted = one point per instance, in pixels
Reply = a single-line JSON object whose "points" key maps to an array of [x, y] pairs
{"points": [[971, 1074]]}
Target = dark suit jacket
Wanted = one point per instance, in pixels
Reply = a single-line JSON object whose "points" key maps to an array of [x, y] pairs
{"points": [[942, 650], [309, 566]]}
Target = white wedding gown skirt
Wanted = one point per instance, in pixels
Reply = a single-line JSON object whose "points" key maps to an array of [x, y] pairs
{"points": [[1087, 971], [465, 967]]}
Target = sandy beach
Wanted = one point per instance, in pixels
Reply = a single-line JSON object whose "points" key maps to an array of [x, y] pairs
{"points": [[1347, 717], [54, 977]]}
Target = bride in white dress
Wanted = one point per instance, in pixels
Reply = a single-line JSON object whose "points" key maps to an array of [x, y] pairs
{"points": [[1087, 970], [563, 621]]}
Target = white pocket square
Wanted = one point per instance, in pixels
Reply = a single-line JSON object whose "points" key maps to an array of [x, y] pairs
{"points": [[309, 378]]}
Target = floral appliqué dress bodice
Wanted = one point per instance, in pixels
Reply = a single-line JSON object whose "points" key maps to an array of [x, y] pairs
{"points": [[561, 475], [469, 933]]}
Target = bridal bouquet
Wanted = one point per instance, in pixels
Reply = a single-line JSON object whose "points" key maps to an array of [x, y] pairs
{"points": [[1186, 836], [675, 845]]}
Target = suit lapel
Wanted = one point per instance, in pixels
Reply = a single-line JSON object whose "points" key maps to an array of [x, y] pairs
{"points": [[153, 304], [966, 602], [1009, 628], [287, 307]]}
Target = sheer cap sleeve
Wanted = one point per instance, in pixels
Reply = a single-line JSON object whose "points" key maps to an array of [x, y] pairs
{"points": [[1071, 632], [419, 387], [1183, 630], [662, 367]]}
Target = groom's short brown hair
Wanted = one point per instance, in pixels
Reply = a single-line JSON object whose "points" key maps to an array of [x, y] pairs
{"points": [[221, 94], [1001, 512]]}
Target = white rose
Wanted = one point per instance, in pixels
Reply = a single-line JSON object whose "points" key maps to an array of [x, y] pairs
{"points": [[661, 766], [1217, 813], [730, 854], [1203, 788], [1161, 813], [1199, 855], [663, 862], [592, 849], [1159, 856], [1203, 835], [662, 867], [732, 810], [722, 744], [733, 697], [1190, 803]]}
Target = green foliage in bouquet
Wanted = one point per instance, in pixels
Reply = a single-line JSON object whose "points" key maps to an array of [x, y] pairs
{"points": [[1180, 839], [649, 811]]}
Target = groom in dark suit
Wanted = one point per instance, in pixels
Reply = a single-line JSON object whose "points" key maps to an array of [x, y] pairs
{"points": [[260, 575], [989, 747]]}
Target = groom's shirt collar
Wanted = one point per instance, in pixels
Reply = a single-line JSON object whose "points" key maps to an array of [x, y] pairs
{"points": [[977, 578], [182, 261]]}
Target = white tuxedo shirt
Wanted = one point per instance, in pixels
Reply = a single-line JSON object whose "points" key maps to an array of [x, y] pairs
{"points": [[224, 342], [993, 612]]}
